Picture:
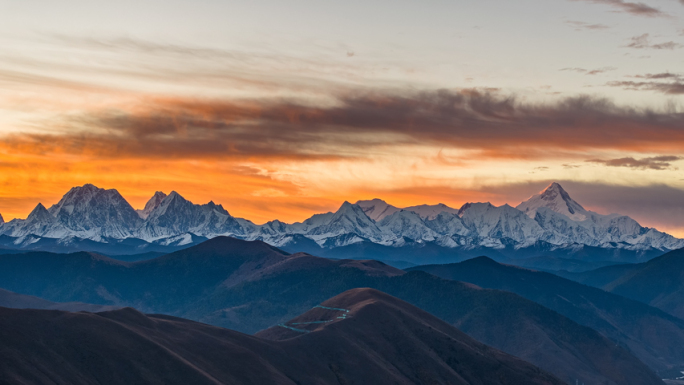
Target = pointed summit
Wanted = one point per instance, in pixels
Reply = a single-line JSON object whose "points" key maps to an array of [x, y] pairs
{"points": [[39, 214], [151, 204], [555, 198], [1, 219]]}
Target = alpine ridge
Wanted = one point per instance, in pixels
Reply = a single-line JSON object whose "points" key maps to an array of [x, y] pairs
{"points": [[548, 221]]}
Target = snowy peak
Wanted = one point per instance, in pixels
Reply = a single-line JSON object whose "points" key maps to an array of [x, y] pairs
{"points": [[555, 198], [151, 204], [377, 209], [39, 214], [2, 220], [349, 219]]}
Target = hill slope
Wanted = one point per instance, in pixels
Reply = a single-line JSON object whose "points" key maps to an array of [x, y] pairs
{"points": [[382, 340], [652, 335], [249, 286], [20, 301], [658, 282]]}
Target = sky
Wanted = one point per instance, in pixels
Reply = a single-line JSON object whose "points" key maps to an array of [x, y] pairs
{"points": [[285, 109]]}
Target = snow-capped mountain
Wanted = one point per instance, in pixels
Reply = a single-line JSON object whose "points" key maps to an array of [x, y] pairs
{"points": [[151, 204], [2, 220], [87, 212], [407, 224], [377, 209], [431, 211], [497, 226], [175, 215], [551, 218], [555, 199], [566, 221]]}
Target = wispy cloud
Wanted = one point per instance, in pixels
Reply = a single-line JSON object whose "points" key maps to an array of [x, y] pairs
{"points": [[653, 163], [644, 42], [638, 9], [585, 71], [673, 88], [581, 25]]}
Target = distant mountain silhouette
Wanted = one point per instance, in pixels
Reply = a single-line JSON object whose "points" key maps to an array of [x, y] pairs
{"points": [[658, 282], [627, 321], [20, 301], [381, 340], [249, 286]]}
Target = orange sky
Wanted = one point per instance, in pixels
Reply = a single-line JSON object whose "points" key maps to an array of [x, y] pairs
{"points": [[274, 135]]}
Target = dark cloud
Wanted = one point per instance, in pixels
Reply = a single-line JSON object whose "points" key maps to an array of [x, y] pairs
{"points": [[471, 119], [644, 42], [653, 163], [638, 9], [580, 25]]}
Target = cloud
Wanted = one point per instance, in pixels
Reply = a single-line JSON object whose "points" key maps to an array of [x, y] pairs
{"points": [[644, 42], [637, 9], [589, 72], [575, 69], [653, 163], [673, 88], [580, 25], [662, 75], [356, 122]]}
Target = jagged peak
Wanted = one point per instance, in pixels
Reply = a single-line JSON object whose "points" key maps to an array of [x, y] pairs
{"points": [[152, 204], [38, 213], [2, 220], [554, 197], [174, 196]]}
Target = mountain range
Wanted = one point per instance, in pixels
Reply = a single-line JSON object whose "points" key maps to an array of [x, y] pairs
{"points": [[249, 286], [550, 223], [658, 282], [630, 323]]}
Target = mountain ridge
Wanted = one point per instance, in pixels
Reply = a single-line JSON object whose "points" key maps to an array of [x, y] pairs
{"points": [[88, 212]]}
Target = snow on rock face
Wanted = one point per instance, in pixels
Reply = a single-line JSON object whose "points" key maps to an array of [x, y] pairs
{"points": [[377, 209], [151, 204], [493, 224], [349, 219], [176, 215], [95, 212], [448, 224], [2, 220], [431, 211], [551, 216], [86, 212], [557, 199], [407, 224]]}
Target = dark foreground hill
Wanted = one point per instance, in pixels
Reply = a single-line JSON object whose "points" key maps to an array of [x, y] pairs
{"points": [[658, 282], [655, 337], [250, 286], [380, 339]]}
